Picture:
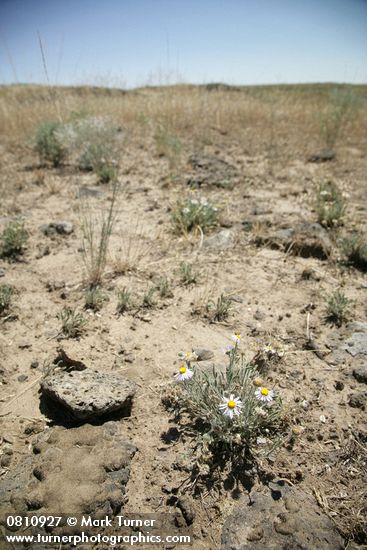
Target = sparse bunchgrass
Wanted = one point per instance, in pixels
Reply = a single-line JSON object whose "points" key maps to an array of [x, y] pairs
{"points": [[107, 173], [132, 250], [233, 420], [72, 322], [354, 248], [337, 308], [94, 298], [330, 205], [97, 230], [124, 300], [12, 240], [187, 274], [342, 105], [5, 297], [164, 287], [193, 213], [148, 301], [47, 143]]}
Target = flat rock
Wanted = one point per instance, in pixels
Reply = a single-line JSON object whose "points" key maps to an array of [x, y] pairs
{"points": [[356, 344], [211, 170], [305, 239], [89, 393], [220, 241], [57, 228], [81, 470], [283, 517], [325, 155], [203, 354], [86, 191]]}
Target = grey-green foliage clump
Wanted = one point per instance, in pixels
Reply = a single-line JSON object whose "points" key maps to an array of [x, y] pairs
{"points": [[337, 308], [188, 275], [342, 105], [5, 297], [354, 248], [234, 418], [47, 143], [94, 142], [330, 205], [192, 213], [72, 322], [12, 240]]}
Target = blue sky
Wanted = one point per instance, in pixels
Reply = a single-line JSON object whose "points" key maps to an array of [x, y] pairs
{"points": [[135, 42]]}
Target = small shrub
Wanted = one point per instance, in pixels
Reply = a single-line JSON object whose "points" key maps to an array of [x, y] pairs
{"points": [[193, 213], [12, 240], [355, 249], [95, 143], [72, 322], [148, 298], [94, 299], [233, 420], [5, 297], [124, 300], [219, 310], [163, 286], [330, 205], [187, 274], [47, 143], [337, 308]]}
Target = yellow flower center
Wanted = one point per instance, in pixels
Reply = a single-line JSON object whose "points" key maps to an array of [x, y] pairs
{"points": [[182, 370], [237, 335], [264, 391], [231, 404]]}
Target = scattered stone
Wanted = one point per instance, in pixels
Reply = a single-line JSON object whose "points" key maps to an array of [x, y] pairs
{"points": [[358, 400], [356, 344], [86, 191], [339, 386], [274, 521], [22, 378], [203, 354], [57, 228], [184, 505], [220, 241], [360, 374], [82, 470], [2, 272], [211, 170], [325, 155], [34, 365], [89, 393]]}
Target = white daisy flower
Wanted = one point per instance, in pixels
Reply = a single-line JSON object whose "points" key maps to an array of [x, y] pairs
{"points": [[236, 337], [183, 374], [231, 406], [264, 394]]}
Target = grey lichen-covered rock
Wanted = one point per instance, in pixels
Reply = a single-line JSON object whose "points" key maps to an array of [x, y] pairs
{"points": [[89, 393], [203, 354], [360, 374], [356, 344], [325, 155], [220, 241], [212, 171], [82, 470], [283, 517]]}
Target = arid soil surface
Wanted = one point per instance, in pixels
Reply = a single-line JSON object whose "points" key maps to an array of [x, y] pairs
{"points": [[277, 297]]}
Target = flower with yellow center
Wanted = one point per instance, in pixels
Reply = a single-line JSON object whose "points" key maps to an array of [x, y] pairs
{"points": [[183, 374], [236, 336], [231, 406], [187, 355], [264, 394]]}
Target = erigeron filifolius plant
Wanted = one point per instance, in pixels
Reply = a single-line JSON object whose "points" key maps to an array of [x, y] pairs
{"points": [[239, 415]]}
